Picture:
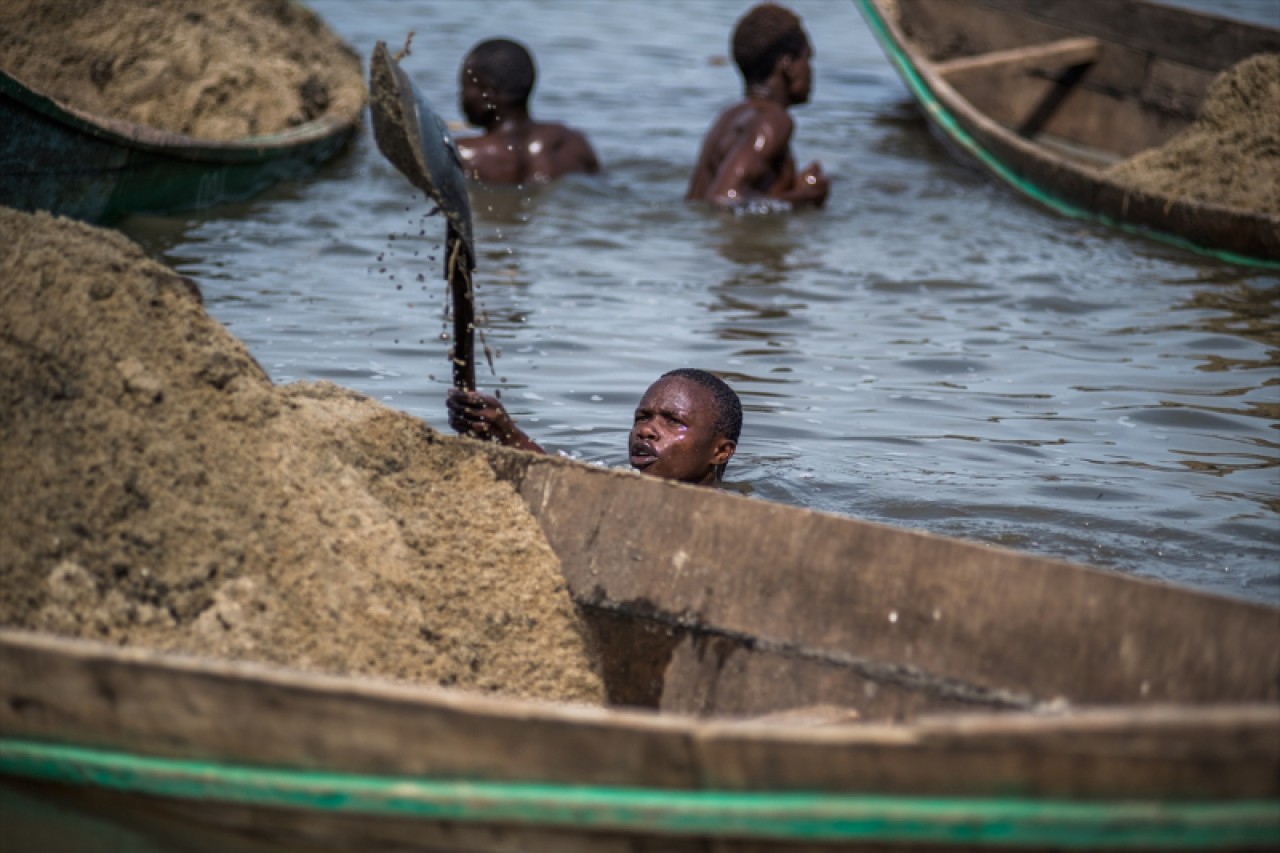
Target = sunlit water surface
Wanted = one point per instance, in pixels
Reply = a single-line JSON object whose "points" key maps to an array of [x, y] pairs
{"points": [[929, 351]]}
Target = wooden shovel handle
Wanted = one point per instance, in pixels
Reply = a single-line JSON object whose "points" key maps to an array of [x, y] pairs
{"points": [[458, 271]]}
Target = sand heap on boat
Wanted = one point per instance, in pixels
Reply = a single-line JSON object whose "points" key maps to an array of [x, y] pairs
{"points": [[1231, 154], [158, 490], [211, 69]]}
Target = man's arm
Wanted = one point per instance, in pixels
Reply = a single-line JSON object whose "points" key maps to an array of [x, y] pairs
{"points": [[810, 188], [484, 417], [761, 155]]}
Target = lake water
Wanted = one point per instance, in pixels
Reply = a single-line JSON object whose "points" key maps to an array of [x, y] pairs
{"points": [[929, 351]]}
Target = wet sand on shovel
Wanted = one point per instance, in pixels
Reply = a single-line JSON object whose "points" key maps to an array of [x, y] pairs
{"points": [[159, 490]]}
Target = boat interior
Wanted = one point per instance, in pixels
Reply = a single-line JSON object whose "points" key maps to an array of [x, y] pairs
{"points": [[1080, 78]]}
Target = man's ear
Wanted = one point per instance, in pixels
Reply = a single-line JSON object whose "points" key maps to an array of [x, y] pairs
{"points": [[723, 451]]}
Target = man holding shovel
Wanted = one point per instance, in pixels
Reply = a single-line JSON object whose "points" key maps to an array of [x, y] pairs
{"points": [[686, 426]]}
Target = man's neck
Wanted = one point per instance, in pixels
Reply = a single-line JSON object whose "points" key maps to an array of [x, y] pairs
{"points": [[510, 119], [772, 90]]}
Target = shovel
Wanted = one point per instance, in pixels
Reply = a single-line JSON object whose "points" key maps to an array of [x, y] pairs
{"points": [[419, 145]]}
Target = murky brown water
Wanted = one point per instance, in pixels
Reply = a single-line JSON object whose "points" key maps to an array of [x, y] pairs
{"points": [[929, 351]]}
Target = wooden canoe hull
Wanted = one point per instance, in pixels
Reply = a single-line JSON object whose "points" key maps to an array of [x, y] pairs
{"points": [[1095, 709], [1153, 64], [751, 607], [55, 158], [226, 751]]}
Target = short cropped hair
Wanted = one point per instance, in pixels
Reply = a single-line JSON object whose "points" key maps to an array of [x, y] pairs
{"points": [[728, 406], [505, 65], [764, 35]]}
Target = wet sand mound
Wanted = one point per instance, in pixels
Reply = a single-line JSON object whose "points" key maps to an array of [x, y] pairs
{"points": [[158, 490], [212, 69], [1231, 154]]}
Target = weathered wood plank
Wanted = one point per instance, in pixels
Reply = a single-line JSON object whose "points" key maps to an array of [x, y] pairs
{"points": [[1110, 753], [150, 704], [819, 585], [1160, 58], [1109, 95], [1088, 117], [1175, 87], [1047, 58], [145, 704], [1193, 38], [1209, 42]]}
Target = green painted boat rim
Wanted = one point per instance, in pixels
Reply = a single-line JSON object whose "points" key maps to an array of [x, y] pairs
{"points": [[789, 816], [126, 134], [943, 118]]}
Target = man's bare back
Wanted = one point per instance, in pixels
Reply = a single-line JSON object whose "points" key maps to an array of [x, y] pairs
{"points": [[534, 151]]}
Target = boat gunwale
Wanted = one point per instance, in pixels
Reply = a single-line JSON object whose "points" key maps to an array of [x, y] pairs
{"points": [[933, 724], [94, 672]]}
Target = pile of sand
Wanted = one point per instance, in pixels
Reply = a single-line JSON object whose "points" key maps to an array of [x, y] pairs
{"points": [[212, 69], [158, 490], [1231, 154]]}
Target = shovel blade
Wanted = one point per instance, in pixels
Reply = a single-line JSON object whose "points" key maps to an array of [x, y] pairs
{"points": [[418, 143]]}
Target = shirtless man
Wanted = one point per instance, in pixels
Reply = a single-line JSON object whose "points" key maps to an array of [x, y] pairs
{"points": [[686, 426], [746, 155], [496, 80]]}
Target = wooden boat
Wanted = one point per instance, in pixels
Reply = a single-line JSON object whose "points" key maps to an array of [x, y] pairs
{"points": [[778, 679], [57, 158], [1046, 95]]}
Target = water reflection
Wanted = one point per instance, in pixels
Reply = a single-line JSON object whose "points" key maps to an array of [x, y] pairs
{"points": [[505, 206], [764, 242], [1243, 310]]}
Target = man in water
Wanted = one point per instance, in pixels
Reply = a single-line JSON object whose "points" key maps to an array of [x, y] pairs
{"points": [[497, 78], [746, 155], [686, 426]]}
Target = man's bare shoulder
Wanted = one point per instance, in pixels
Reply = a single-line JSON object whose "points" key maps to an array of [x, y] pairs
{"points": [[774, 116], [482, 144], [568, 147], [488, 159], [746, 119], [556, 133]]}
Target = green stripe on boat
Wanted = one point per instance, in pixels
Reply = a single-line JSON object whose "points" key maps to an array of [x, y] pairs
{"points": [[999, 821]]}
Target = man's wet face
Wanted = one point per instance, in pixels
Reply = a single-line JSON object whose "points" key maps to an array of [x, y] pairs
{"points": [[674, 433], [801, 77]]}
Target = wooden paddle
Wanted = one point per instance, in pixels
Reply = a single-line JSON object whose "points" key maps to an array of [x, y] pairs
{"points": [[418, 143]]}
